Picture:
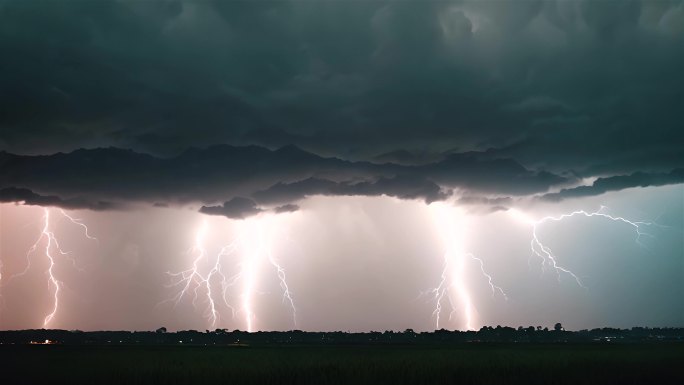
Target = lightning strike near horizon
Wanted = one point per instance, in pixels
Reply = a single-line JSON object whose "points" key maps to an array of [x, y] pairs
{"points": [[48, 237], [452, 287], [247, 251], [545, 253]]}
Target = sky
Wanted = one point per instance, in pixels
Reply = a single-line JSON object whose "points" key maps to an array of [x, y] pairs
{"points": [[341, 165]]}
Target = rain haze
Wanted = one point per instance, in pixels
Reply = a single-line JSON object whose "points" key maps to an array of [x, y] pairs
{"points": [[341, 165]]}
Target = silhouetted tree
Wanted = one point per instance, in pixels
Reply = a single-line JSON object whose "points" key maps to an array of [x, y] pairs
{"points": [[558, 327]]}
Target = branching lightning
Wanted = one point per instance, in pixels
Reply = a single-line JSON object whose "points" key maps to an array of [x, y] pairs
{"points": [[52, 251], [452, 287], [250, 248], [547, 256], [79, 223], [226, 282]]}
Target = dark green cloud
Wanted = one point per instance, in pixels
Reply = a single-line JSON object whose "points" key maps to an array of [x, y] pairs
{"points": [[582, 87], [86, 178], [618, 182]]}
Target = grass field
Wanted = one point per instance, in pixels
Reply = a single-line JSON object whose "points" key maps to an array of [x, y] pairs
{"points": [[455, 364]]}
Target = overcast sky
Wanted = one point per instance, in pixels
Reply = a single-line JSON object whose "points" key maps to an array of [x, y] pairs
{"points": [[333, 138]]}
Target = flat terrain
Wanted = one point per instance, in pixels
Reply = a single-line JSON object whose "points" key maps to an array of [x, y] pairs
{"points": [[396, 364]]}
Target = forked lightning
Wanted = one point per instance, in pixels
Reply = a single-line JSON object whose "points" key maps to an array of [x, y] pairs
{"points": [[247, 251]]}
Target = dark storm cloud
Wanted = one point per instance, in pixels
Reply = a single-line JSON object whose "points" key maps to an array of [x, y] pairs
{"points": [[404, 187], [489, 175], [280, 177], [28, 197], [619, 182], [589, 88], [236, 208], [287, 208]]}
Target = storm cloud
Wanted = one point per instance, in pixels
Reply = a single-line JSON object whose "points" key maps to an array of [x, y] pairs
{"points": [[618, 182], [28, 197], [250, 179], [236, 208], [404, 98]]}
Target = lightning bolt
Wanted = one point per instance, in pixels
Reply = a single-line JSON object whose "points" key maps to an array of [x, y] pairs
{"points": [[192, 279], [52, 280], [287, 295], [251, 247], [78, 222], [539, 249], [52, 251], [452, 287]]}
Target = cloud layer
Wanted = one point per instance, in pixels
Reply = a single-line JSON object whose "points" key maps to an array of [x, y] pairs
{"points": [[248, 179], [504, 98], [619, 182], [568, 84]]}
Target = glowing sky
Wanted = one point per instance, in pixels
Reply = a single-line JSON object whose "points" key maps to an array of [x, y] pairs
{"points": [[341, 165], [356, 264]]}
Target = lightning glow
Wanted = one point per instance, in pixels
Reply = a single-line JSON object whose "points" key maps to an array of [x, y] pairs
{"points": [[251, 248], [52, 251], [452, 287], [547, 256]]}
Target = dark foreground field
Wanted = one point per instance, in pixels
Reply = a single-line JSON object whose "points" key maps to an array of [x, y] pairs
{"points": [[456, 364]]}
